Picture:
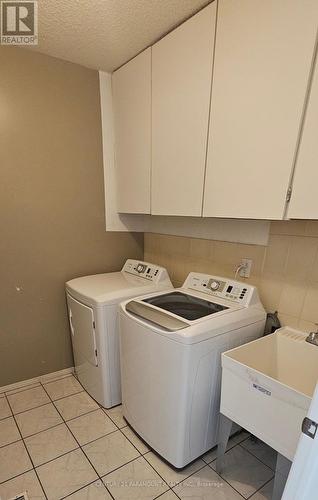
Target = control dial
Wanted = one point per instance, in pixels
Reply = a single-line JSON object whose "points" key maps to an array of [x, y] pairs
{"points": [[215, 285], [140, 268]]}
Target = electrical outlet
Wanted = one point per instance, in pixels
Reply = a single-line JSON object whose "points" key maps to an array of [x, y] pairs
{"points": [[245, 272]]}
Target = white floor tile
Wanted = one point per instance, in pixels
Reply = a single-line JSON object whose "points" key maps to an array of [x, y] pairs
{"points": [[244, 471], [28, 399], [14, 460], [92, 426], [76, 405], [265, 453], [95, 491], [63, 387], [135, 481], [135, 440], [27, 482], [110, 452], [116, 414], [4, 408], [9, 432], [66, 474], [265, 493], [65, 471], [169, 474], [206, 485], [50, 444], [38, 419]]}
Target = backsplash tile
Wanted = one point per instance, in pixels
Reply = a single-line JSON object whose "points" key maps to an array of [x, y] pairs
{"points": [[285, 271]]}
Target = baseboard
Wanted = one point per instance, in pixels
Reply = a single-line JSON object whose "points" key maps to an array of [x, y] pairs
{"points": [[43, 378]]}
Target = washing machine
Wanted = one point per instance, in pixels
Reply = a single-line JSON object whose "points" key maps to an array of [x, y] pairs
{"points": [[92, 303], [171, 344]]}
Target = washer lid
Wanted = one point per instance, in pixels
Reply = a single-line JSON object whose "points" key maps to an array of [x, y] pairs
{"points": [[108, 288], [184, 305]]}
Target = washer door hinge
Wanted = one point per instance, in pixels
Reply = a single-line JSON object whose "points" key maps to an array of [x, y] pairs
{"points": [[289, 194]]}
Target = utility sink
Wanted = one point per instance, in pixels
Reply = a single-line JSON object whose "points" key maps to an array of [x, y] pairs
{"points": [[267, 387]]}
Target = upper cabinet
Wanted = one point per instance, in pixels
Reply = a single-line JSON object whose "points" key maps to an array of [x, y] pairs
{"points": [[263, 56], [303, 203], [131, 86], [181, 83]]}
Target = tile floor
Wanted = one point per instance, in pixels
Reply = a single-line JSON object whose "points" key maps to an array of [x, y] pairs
{"points": [[56, 442]]}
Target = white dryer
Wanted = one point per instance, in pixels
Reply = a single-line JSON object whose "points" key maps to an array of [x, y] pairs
{"points": [[171, 345], [93, 316]]}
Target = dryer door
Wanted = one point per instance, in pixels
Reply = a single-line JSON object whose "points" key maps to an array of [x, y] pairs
{"points": [[82, 326]]}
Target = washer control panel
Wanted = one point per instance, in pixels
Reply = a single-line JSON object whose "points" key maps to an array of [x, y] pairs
{"points": [[220, 287], [144, 270]]}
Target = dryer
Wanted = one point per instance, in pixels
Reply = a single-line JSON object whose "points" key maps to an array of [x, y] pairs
{"points": [[171, 345], [92, 303]]}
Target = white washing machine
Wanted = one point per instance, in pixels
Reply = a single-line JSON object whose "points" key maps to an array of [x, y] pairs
{"points": [[171, 345], [93, 315]]}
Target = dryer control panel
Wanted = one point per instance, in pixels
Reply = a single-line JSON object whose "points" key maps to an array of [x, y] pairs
{"points": [[223, 288], [150, 272]]}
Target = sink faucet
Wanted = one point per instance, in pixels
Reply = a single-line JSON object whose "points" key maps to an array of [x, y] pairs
{"points": [[313, 338]]}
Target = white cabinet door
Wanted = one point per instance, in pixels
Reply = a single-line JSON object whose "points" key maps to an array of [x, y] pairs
{"points": [[131, 86], [263, 55], [181, 84], [303, 204]]}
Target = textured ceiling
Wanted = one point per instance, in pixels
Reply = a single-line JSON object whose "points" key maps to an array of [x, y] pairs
{"points": [[104, 34]]}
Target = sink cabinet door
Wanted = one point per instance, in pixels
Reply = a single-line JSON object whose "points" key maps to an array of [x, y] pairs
{"points": [[263, 56]]}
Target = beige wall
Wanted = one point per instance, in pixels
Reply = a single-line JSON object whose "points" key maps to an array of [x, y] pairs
{"points": [[51, 206], [286, 271]]}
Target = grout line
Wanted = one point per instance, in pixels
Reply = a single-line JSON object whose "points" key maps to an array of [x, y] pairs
{"points": [[18, 475], [69, 375], [96, 439], [80, 447], [32, 463], [259, 489], [29, 409], [68, 395], [235, 446], [29, 384], [308, 286], [255, 456], [142, 454], [120, 429], [104, 476], [86, 486], [56, 458], [223, 479], [164, 493], [181, 480], [13, 392], [39, 432], [73, 418], [8, 444], [105, 411]]}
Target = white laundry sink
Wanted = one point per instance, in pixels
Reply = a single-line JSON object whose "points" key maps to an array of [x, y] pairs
{"points": [[267, 387]]}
